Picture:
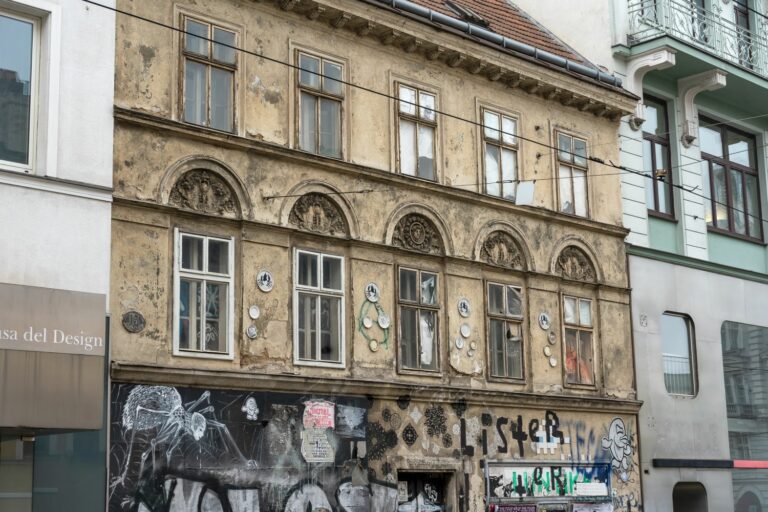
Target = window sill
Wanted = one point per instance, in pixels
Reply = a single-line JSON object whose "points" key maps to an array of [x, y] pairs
{"points": [[426, 180], [506, 380], [333, 158], [203, 355], [669, 217], [420, 373], [319, 364], [731, 234]]}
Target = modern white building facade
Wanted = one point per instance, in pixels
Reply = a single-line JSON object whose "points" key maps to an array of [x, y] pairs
{"points": [[694, 193], [56, 97]]}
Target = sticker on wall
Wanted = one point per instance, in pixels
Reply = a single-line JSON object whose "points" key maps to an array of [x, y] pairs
{"points": [[473, 346], [252, 332], [459, 343], [372, 292], [254, 312], [552, 337], [265, 281], [367, 322], [384, 321], [544, 321], [552, 362], [134, 322], [465, 330], [547, 351], [250, 409], [464, 307], [373, 345]]}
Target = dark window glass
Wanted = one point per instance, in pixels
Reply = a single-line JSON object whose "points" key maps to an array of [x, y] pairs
{"points": [[656, 159], [16, 88]]}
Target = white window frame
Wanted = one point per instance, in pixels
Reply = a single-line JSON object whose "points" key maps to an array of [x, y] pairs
{"points": [[320, 94], [419, 118], [319, 291], [690, 332], [502, 145], [579, 327], [34, 96], [229, 280], [419, 306], [570, 161], [506, 318]]}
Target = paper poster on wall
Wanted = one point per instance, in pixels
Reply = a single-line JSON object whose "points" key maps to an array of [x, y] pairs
{"points": [[319, 414], [315, 446], [593, 507]]}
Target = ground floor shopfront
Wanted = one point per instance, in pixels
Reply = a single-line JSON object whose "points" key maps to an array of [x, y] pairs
{"points": [[180, 448]]}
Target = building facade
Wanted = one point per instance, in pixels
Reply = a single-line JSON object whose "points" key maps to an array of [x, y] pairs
{"points": [[698, 258], [56, 99], [366, 256]]}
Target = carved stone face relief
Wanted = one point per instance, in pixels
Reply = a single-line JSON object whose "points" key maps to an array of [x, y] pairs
{"points": [[204, 191], [316, 213], [502, 250], [573, 263], [418, 233]]}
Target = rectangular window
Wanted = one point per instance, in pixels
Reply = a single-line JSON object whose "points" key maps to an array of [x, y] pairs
{"points": [[579, 333], [18, 85], [505, 333], [572, 174], [210, 63], [417, 127], [656, 160], [321, 94], [204, 295], [319, 308], [419, 308], [677, 346], [730, 180], [500, 154]]}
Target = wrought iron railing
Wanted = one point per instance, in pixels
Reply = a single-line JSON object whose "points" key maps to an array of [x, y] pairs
{"points": [[677, 374], [704, 29]]}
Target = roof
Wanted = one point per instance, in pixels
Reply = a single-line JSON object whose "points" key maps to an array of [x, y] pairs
{"points": [[508, 20]]}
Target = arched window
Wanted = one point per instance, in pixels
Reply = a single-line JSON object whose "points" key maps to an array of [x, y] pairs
{"points": [[689, 497]]}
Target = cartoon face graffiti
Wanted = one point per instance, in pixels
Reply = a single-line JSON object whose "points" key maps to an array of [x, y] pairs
{"points": [[250, 409], [620, 446]]}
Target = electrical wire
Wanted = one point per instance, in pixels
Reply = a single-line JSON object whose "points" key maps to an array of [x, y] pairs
{"points": [[594, 159]]}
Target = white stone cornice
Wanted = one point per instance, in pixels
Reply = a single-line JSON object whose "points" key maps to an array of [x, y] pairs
{"points": [[637, 67], [687, 89]]}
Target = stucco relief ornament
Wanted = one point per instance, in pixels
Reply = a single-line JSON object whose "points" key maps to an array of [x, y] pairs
{"points": [[502, 250], [205, 192], [315, 212], [418, 233], [574, 264]]}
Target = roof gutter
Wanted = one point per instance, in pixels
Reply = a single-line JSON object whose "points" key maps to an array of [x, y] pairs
{"points": [[504, 42]]}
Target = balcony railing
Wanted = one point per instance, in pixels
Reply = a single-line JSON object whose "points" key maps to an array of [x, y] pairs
{"points": [[704, 29], [677, 374], [741, 411]]}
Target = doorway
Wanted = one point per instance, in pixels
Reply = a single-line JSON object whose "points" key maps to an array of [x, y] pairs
{"points": [[689, 497]]}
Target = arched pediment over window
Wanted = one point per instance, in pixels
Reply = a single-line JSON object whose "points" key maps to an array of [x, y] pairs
{"points": [[573, 263], [416, 232], [502, 250], [317, 213]]}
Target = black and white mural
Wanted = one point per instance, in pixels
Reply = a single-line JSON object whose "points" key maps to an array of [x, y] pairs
{"points": [[185, 449]]}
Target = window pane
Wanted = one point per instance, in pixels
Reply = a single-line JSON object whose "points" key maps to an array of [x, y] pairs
{"points": [[218, 256], [309, 71], [585, 312], [492, 167], [215, 317], [191, 253], [331, 78], [711, 141], [16, 89], [655, 118], [195, 93], [741, 149], [648, 169], [307, 269], [407, 147], [491, 124], [194, 42], [585, 358], [223, 53], [580, 192], [222, 91], [330, 127], [331, 273], [408, 337], [308, 123], [737, 202], [514, 350], [408, 285], [663, 178], [707, 192], [330, 328], [427, 331], [426, 152], [580, 150], [566, 196], [426, 106], [496, 343], [514, 302], [721, 195], [509, 173], [496, 299], [509, 127], [408, 95], [428, 288], [307, 326], [189, 314], [564, 144], [676, 354], [569, 310], [753, 205], [571, 355]]}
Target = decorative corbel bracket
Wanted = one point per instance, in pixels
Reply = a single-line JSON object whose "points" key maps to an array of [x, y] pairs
{"points": [[688, 88], [637, 67]]}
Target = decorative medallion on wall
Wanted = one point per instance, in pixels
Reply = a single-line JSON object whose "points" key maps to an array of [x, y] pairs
{"points": [[573, 263], [366, 323], [254, 312], [372, 292], [544, 321], [134, 322], [265, 281], [464, 307], [204, 191], [417, 233], [502, 250], [252, 332], [316, 213]]}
